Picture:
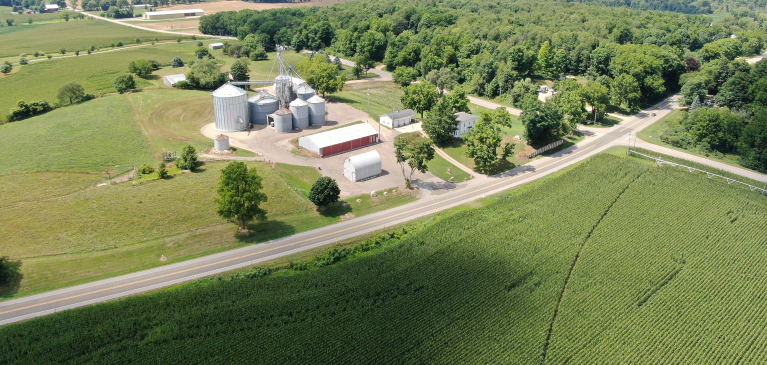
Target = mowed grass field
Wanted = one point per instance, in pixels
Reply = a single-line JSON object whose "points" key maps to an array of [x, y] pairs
{"points": [[559, 271]]}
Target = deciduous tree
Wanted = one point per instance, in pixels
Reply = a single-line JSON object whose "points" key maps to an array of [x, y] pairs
{"points": [[415, 151], [124, 83], [324, 191], [142, 68], [420, 97], [240, 70], [188, 160], [239, 194], [321, 75], [483, 140], [71, 92], [404, 75]]}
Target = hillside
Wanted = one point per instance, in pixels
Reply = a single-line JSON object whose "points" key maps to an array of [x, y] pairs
{"points": [[644, 263]]}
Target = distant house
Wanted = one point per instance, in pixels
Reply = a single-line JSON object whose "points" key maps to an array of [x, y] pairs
{"points": [[216, 45], [465, 123], [51, 8], [398, 118], [171, 14], [171, 80]]}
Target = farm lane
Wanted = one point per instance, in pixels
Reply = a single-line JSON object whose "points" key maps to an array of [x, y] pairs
{"points": [[160, 277]]}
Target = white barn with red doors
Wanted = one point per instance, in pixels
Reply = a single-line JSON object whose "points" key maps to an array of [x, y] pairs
{"points": [[340, 140]]}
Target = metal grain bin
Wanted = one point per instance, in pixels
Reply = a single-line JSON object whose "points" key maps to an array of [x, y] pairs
{"points": [[300, 110], [283, 120], [221, 143], [283, 88], [261, 105], [230, 104], [316, 110], [304, 92]]}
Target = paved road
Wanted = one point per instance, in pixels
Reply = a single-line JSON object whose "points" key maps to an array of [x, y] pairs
{"points": [[103, 290]]}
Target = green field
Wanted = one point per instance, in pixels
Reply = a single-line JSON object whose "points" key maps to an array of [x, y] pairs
{"points": [[22, 19], [439, 166], [561, 269], [383, 97], [301, 178]]}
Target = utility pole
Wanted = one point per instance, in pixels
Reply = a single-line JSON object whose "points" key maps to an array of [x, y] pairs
{"points": [[379, 122], [628, 146]]}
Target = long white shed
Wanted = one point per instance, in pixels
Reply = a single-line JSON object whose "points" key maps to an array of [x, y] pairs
{"points": [[363, 166], [340, 140]]}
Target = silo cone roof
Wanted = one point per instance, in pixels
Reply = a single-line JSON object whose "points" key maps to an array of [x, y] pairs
{"points": [[304, 89], [262, 95], [298, 102], [316, 99], [282, 111], [228, 91]]}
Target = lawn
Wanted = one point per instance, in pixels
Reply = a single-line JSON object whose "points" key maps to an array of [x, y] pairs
{"points": [[457, 150], [23, 19], [559, 271], [94, 136], [439, 166], [384, 97], [300, 178]]}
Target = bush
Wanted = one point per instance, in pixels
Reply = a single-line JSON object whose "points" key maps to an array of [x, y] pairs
{"points": [[188, 159], [177, 62], [162, 172], [184, 85], [23, 55], [178, 39], [119, 44], [24, 110], [324, 191], [145, 169], [8, 271], [49, 57], [124, 83], [141, 68], [138, 40], [155, 65], [36, 54], [199, 44], [63, 51], [77, 52], [194, 37], [23, 61], [6, 67]]}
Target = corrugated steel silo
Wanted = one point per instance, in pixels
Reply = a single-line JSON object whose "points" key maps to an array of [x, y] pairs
{"points": [[304, 92], [230, 104], [261, 105], [283, 88], [221, 143], [316, 110], [283, 120], [300, 110]]}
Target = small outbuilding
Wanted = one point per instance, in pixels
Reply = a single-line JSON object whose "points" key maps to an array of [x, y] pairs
{"points": [[340, 140], [397, 119], [363, 166], [173, 14], [50, 8], [171, 80], [221, 143], [465, 121], [216, 45]]}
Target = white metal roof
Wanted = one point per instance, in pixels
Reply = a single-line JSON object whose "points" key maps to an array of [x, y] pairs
{"points": [[465, 117], [228, 90], [401, 114], [182, 11], [298, 102], [216, 44], [176, 78], [365, 159], [315, 99], [51, 6], [340, 135]]}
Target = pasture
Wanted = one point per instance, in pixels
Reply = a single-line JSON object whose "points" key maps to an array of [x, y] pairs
{"points": [[559, 271]]}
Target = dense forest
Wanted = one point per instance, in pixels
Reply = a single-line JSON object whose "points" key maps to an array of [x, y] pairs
{"points": [[689, 6]]}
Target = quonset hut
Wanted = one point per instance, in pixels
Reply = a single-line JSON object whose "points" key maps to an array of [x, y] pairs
{"points": [[339, 140], [261, 105], [363, 166], [230, 104]]}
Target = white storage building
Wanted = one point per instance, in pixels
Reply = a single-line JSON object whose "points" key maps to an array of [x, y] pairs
{"points": [[171, 14], [171, 80], [363, 166], [340, 140], [398, 118], [465, 123]]}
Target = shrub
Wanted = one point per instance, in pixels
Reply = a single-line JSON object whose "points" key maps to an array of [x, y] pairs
{"points": [[184, 85], [194, 37], [124, 83], [119, 44], [6, 67], [141, 68], [138, 40], [36, 54], [177, 62], [77, 52], [199, 44], [23, 61], [155, 65], [145, 169], [63, 51], [188, 159], [162, 172], [24, 110], [49, 57], [23, 55], [178, 39]]}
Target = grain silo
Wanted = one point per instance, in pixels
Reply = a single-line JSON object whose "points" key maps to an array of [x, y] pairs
{"points": [[283, 87], [283, 120], [304, 92], [221, 143], [230, 104], [316, 110], [300, 110], [261, 105]]}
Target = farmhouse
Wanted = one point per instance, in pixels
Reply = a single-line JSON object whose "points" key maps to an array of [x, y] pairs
{"points": [[51, 8], [398, 118], [171, 80], [363, 166], [465, 123], [171, 14], [340, 140]]}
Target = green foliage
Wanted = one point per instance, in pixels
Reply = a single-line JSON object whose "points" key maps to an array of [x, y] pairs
{"points": [[570, 101], [456, 100], [177, 62], [206, 74], [420, 97], [240, 195], [717, 128], [625, 92], [543, 123], [321, 75], [441, 124], [8, 271], [693, 89], [24, 110], [124, 83], [6, 67], [258, 54], [415, 151], [239, 70], [483, 140], [443, 79], [142, 68], [63, 51], [404, 75], [545, 63], [188, 160], [753, 141], [145, 169], [162, 171], [324, 192], [71, 92], [23, 61], [596, 95], [9, 22]]}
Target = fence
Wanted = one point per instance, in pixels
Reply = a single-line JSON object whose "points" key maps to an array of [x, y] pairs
{"points": [[546, 148], [710, 175]]}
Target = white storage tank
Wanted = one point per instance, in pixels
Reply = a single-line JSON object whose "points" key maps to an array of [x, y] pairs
{"points": [[221, 143], [304, 92], [283, 87], [283, 120], [316, 110], [230, 105], [261, 105], [300, 110], [363, 166]]}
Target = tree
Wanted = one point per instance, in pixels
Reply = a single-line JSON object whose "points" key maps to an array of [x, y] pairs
{"points": [[124, 83], [365, 62], [357, 71], [6, 67], [543, 123], [141, 68], [240, 70], [23, 61], [258, 54], [716, 127], [162, 171], [545, 63], [483, 140], [457, 100], [337, 62], [188, 160], [239, 194], [404, 75], [596, 95], [753, 141], [415, 151], [177, 62], [205, 74], [441, 123], [8, 271], [324, 191], [625, 92], [63, 51], [695, 105], [734, 92], [694, 89], [419, 97], [71, 92], [570, 102], [10, 22], [443, 79], [322, 76]]}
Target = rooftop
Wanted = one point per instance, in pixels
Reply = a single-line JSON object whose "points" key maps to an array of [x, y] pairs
{"points": [[465, 117], [176, 78], [182, 11], [345, 134], [51, 6], [365, 159], [401, 114], [228, 90]]}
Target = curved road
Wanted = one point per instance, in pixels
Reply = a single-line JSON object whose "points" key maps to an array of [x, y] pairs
{"points": [[121, 286]]}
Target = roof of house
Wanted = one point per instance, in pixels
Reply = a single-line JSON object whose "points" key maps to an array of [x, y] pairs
{"points": [[401, 114], [181, 11], [175, 78], [51, 6], [340, 135], [365, 159], [465, 117]]}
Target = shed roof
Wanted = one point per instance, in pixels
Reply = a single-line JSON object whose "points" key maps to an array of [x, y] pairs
{"points": [[182, 11], [228, 90], [465, 117], [365, 159], [340, 135], [175, 78], [401, 114], [216, 44], [51, 6]]}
